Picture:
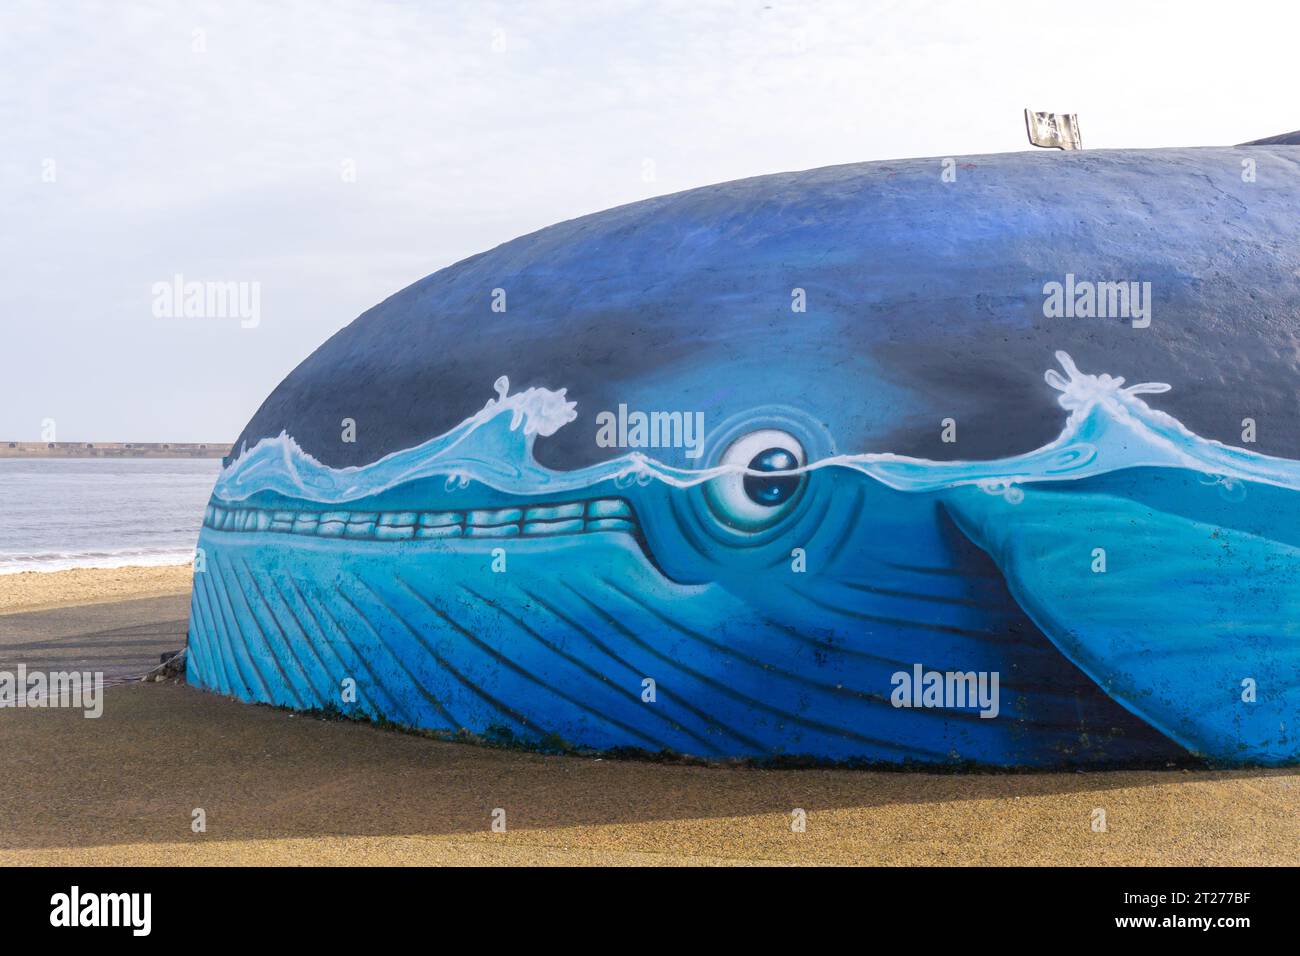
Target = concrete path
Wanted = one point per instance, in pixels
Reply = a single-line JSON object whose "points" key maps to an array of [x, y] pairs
{"points": [[123, 639], [280, 788]]}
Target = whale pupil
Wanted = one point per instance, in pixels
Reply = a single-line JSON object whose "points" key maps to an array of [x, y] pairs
{"points": [[772, 490]]}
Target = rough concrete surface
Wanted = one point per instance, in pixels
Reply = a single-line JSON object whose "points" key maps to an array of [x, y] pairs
{"points": [[279, 788]]}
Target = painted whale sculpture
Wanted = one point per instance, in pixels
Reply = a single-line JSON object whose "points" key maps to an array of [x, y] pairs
{"points": [[773, 468]]}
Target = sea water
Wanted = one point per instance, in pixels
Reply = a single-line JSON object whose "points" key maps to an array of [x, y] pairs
{"points": [[100, 512]]}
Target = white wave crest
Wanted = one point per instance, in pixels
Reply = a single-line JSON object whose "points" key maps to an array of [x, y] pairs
{"points": [[1109, 428]]}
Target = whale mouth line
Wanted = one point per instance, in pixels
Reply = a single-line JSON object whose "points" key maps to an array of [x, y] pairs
{"points": [[534, 521]]}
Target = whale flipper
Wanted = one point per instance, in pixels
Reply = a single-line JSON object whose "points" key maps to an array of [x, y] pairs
{"points": [[1185, 620]]}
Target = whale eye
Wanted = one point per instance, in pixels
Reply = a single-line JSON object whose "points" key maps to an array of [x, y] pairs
{"points": [[768, 489], [761, 487]]}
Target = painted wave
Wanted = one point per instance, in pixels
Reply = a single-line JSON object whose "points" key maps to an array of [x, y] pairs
{"points": [[1109, 428]]}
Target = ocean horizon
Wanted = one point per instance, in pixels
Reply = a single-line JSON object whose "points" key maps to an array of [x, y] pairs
{"points": [[57, 514]]}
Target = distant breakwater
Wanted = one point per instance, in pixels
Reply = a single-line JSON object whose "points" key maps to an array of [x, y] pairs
{"points": [[77, 449]]}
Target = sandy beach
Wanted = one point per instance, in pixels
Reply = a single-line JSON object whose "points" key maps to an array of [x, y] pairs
{"points": [[280, 788], [38, 590]]}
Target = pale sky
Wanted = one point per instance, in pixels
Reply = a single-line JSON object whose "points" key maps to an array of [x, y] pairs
{"points": [[142, 140]]}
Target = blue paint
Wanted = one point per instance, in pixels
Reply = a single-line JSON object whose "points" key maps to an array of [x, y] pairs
{"points": [[507, 572]]}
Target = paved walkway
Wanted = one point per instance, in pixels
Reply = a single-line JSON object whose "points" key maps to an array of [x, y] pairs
{"points": [[278, 788], [123, 638]]}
